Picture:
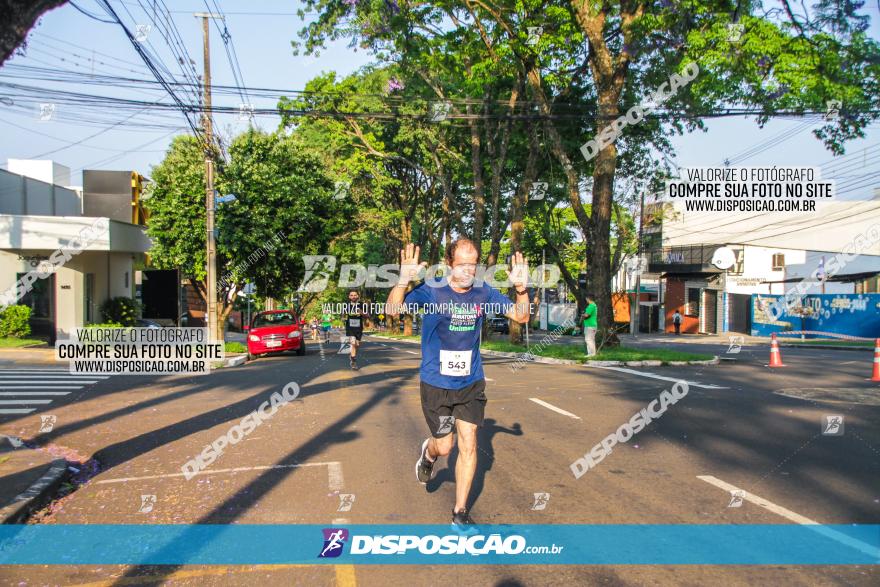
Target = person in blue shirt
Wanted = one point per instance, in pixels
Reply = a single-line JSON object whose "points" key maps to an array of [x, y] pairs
{"points": [[452, 381]]}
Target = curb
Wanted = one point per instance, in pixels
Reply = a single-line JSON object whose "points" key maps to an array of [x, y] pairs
{"points": [[395, 339], [230, 362], [823, 347], [33, 347], [552, 361], [27, 501]]}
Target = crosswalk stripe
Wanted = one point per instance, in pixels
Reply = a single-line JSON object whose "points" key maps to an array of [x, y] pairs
{"points": [[35, 393], [29, 387], [46, 382], [52, 375], [34, 371], [41, 386]]}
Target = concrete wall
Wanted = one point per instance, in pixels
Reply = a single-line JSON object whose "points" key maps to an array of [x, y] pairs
{"points": [[45, 170], [23, 195], [758, 266], [837, 222], [675, 300], [70, 282]]}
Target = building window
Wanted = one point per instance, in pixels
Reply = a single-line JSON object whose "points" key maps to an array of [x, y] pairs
{"points": [[692, 303], [778, 262]]}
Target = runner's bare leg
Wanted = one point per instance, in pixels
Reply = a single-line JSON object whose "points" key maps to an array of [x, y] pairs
{"points": [[466, 464]]}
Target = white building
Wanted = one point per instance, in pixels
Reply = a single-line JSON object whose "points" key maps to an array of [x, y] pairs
{"points": [[773, 252], [38, 218]]}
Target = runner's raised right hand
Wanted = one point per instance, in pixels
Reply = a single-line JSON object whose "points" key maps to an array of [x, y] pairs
{"points": [[409, 264]]}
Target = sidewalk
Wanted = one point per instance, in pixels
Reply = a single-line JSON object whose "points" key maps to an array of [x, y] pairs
{"points": [[33, 355], [45, 355], [661, 338], [27, 476]]}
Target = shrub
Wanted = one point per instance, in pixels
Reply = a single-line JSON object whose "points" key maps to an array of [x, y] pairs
{"points": [[122, 310], [14, 321], [234, 347], [105, 325]]}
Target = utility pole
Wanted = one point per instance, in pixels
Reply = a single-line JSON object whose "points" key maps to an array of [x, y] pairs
{"points": [[636, 313], [215, 329], [544, 290]]}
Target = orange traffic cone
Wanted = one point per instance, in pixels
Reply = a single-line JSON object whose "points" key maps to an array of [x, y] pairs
{"points": [[775, 356], [876, 375]]}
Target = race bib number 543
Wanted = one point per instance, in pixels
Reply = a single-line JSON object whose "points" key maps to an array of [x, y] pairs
{"points": [[455, 363]]}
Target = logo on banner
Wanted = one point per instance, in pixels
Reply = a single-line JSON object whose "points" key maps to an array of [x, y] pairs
{"points": [[334, 540]]}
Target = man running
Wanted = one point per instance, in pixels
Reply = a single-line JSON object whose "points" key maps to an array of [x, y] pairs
{"points": [[354, 325], [326, 322], [452, 380]]}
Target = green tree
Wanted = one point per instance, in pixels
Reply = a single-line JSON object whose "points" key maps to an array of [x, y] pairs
{"points": [[283, 209], [593, 61]]}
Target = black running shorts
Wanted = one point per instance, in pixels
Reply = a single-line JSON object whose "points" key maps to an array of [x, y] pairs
{"points": [[467, 404]]}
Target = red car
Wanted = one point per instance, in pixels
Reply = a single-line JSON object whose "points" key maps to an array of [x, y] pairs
{"points": [[274, 331]]}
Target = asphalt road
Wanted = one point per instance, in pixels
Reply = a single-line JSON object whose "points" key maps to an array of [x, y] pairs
{"points": [[741, 424]]}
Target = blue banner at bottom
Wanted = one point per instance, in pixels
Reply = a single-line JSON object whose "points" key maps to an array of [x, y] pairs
{"points": [[180, 544]]}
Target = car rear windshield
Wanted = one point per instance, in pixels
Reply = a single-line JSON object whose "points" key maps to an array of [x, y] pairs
{"points": [[273, 320]]}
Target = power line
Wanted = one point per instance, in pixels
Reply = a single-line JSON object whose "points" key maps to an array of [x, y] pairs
{"points": [[229, 47], [768, 143], [89, 14], [183, 107]]}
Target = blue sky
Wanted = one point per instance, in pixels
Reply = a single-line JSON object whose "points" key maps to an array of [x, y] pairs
{"points": [[261, 33]]}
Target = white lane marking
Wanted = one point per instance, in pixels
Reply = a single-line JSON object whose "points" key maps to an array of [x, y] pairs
{"points": [[19, 402], [50, 375], [411, 352], [655, 376], [19, 393], [42, 382], [487, 379], [554, 408], [40, 386], [18, 411], [210, 472], [33, 371], [335, 480], [794, 517], [340, 521]]}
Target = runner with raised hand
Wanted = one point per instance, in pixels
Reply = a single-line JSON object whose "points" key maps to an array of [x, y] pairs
{"points": [[452, 381]]}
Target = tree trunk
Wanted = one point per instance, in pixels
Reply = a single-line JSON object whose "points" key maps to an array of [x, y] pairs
{"points": [[497, 160], [518, 212], [598, 270], [479, 185]]}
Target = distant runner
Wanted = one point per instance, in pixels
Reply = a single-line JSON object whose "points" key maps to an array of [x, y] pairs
{"points": [[452, 380], [326, 322], [354, 325]]}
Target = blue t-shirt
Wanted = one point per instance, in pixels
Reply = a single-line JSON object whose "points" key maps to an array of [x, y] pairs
{"points": [[451, 330]]}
